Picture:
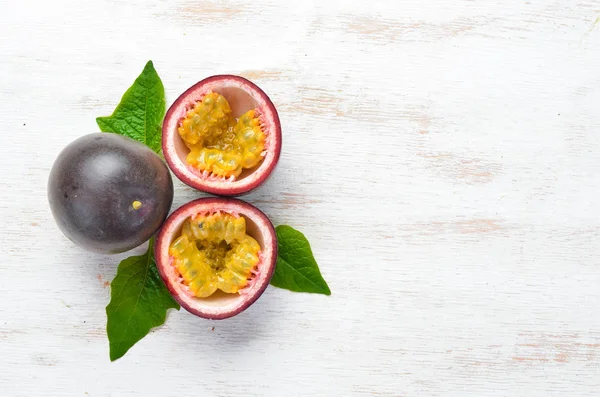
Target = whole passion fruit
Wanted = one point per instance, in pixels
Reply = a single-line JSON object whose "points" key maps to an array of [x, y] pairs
{"points": [[222, 136], [109, 193], [216, 256]]}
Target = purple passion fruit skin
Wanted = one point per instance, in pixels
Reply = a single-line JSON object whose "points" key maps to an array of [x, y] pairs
{"points": [[222, 136], [109, 193], [216, 256]]}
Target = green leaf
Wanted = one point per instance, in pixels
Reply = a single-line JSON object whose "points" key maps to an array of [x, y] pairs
{"points": [[138, 302], [141, 110], [296, 268]]}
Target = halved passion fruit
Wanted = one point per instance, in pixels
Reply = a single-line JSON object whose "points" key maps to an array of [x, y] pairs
{"points": [[216, 256], [222, 136]]}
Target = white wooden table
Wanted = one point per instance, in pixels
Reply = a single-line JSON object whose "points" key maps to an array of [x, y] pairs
{"points": [[442, 157]]}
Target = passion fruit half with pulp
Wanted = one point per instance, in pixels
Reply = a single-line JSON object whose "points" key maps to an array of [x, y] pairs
{"points": [[109, 193], [222, 136], [216, 256]]}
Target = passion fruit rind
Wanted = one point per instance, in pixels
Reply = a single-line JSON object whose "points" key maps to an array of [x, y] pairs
{"points": [[243, 96], [219, 305]]}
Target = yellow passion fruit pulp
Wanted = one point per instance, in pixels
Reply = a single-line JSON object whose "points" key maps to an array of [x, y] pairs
{"points": [[219, 144], [214, 252]]}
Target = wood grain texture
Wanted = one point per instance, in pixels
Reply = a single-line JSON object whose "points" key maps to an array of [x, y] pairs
{"points": [[442, 157]]}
